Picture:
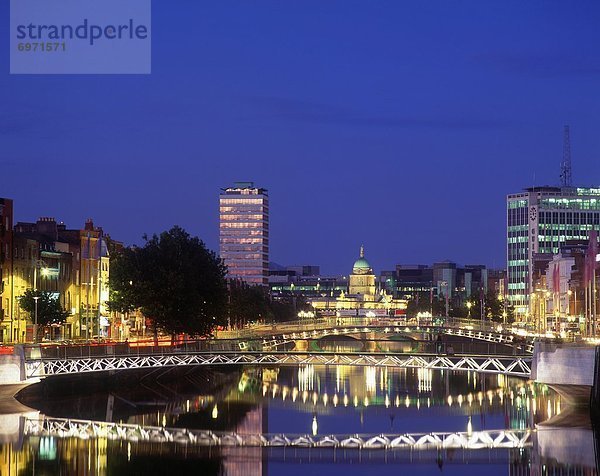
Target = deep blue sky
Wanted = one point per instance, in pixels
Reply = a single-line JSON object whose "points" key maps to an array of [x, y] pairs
{"points": [[400, 124]]}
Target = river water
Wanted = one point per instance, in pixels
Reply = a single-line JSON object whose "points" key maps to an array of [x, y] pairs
{"points": [[307, 400]]}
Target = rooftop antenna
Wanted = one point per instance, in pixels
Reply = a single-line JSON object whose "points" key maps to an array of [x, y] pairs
{"points": [[565, 166]]}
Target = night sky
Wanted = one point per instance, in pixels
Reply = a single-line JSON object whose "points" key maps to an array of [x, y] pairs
{"points": [[401, 125]]}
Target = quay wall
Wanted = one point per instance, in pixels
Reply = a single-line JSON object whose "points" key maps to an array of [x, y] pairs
{"points": [[567, 367]]}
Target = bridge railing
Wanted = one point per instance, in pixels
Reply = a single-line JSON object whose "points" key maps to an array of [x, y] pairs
{"points": [[351, 321], [66, 352]]}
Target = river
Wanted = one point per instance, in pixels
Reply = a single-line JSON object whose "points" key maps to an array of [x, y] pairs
{"points": [[308, 401]]}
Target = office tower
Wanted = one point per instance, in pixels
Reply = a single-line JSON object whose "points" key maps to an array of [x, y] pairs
{"points": [[539, 220], [244, 232]]}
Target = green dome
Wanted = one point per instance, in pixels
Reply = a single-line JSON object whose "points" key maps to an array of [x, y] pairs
{"points": [[361, 263]]}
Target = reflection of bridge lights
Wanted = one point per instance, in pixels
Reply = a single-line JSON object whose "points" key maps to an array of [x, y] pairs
{"points": [[549, 409], [47, 449], [128, 451], [366, 402], [315, 398], [164, 420], [215, 412], [424, 377], [469, 427], [315, 426], [371, 379], [306, 377]]}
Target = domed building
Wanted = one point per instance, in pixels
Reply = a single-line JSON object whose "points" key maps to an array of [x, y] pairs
{"points": [[362, 279], [363, 297]]}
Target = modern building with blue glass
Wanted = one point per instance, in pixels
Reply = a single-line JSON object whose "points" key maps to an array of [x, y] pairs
{"points": [[539, 220]]}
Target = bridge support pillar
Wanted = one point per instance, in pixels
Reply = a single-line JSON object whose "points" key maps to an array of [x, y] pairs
{"points": [[568, 368], [370, 346], [301, 345]]}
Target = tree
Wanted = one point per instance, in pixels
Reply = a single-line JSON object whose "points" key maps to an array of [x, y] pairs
{"points": [[494, 307], [49, 310], [423, 302], [248, 303], [174, 280]]}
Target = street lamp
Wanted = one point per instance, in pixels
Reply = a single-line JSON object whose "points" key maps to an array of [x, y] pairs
{"points": [[35, 322], [469, 306], [446, 285]]}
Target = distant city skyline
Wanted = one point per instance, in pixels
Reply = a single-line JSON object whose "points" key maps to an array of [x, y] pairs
{"points": [[402, 126]]}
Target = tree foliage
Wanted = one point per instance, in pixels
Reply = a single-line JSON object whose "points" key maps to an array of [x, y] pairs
{"points": [[174, 280], [49, 310], [458, 307], [423, 302], [494, 307], [248, 303], [253, 303]]}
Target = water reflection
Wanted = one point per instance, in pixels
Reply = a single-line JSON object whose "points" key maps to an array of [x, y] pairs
{"points": [[310, 400]]}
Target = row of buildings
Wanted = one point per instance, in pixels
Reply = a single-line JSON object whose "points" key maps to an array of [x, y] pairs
{"points": [[244, 247], [72, 264], [544, 225], [543, 222]]}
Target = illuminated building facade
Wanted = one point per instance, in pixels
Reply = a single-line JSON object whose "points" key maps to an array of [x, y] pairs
{"points": [[539, 221], [364, 297], [244, 232], [362, 279], [6, 219], [73, 265]]}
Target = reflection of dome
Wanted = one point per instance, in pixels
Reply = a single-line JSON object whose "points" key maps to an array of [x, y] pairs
{"points": [[361, 265]]}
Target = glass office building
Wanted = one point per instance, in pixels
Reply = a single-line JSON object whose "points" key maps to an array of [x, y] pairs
{"points": [[244, 232], [539, 220]]}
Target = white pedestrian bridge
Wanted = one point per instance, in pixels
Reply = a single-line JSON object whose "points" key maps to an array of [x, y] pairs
{"points": [[517, 366], [274, 336]]}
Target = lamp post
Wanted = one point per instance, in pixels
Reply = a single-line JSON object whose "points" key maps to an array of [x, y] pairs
{"points": [[469, 306], [445, 284], [35, 322]]}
